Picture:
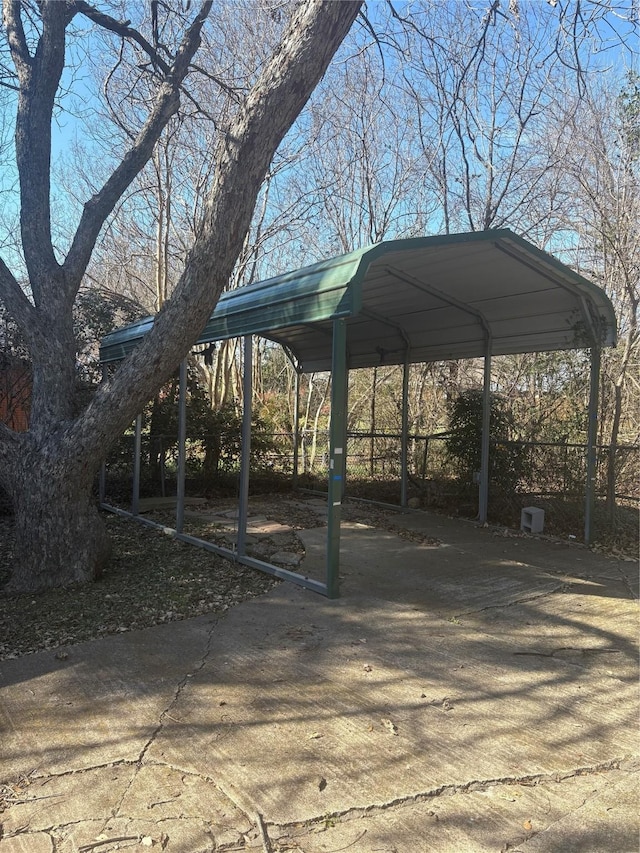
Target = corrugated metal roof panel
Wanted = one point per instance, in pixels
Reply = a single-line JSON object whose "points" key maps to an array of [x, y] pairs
{"points": [[440, 295]]}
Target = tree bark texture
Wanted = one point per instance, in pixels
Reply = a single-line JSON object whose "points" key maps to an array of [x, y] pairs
{"points": [[60, 538]]}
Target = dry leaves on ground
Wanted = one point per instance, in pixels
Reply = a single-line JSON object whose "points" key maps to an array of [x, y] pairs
{"points": [[151, 579]]}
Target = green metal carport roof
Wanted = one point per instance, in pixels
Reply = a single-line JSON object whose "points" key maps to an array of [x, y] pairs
{"points": [[415, 300]]}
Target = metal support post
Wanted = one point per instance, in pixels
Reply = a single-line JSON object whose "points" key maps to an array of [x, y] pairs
{"points": [[592, 439], [137, 447], [404, 445], [337, 453], [182, 446], [245, 463], [345, 433], [483, 489], [296, 430]]}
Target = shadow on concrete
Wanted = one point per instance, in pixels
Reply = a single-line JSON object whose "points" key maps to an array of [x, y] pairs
{"points": [[448, 670]]}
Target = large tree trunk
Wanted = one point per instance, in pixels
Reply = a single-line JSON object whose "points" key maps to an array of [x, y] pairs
{"points": [[60, 538]]}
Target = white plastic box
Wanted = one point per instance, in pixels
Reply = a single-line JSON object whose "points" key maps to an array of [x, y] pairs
{"points": [[532, 519]]}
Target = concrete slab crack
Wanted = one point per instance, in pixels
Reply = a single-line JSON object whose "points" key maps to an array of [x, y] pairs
{"points": [[199, 665], [179, 688], [525, 600], [633, 595], [49, 830], [474, 785], [587, 650]]}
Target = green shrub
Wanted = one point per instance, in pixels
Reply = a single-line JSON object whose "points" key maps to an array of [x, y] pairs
{"points": [[464, 442]]}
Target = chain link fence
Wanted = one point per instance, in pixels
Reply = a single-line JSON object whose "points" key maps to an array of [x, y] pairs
{"points": [[552, 476]]}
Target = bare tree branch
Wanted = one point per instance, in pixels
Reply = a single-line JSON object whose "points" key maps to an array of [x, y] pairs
{"points": [[122, 29], [100, 206], [17, 304], [229, 90], [38, 77], [16, 37]]}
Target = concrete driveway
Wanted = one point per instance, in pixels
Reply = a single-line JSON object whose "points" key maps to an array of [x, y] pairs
{"points": [[481, 695]]}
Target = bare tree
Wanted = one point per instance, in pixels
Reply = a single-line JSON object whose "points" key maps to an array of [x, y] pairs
{"points": [[602, 163], [480, 84], [49, 470]]}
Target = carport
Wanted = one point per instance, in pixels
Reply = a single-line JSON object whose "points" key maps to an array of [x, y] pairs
{"points": [[408, 301]]}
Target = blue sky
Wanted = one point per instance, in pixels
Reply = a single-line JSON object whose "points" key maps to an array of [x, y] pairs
{"points": [[616, 38]]}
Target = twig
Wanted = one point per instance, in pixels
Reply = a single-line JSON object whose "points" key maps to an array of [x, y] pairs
{"points": [[266, 843], [351, 843], [86, 847], [20, 801]]}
